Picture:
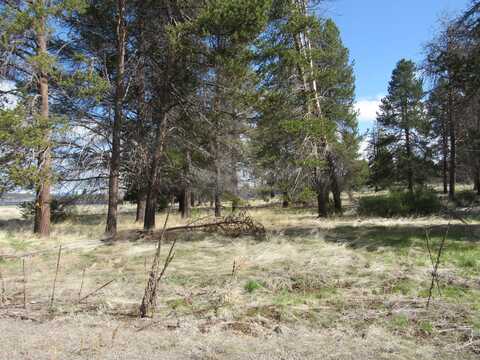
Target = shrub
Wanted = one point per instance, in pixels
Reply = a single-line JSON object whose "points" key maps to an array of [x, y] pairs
{"points": [[423, 201], [400, 203], [466, 198], [58, 210]]}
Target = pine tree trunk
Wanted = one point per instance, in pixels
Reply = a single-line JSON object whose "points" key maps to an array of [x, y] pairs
{"points": [[186, 191], [150, 211], [42, 206], [337, 196], [216, 198], [192, 199], [218, 205], [453, 146], [186, 199], [408, 146], [141, 202], [477, 180], [181, 202], [445, 156], [335, 185], [322, 203], [285, 202], [142, 195], [154, 177], [111, 227]]}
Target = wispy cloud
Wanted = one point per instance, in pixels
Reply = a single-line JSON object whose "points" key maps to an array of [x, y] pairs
{"points": [[367, 109]]}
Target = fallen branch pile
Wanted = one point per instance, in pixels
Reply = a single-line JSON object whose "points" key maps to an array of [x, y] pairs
{"points": [[233, 225]]}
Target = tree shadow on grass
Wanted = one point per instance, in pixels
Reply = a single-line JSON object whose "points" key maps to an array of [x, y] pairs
{"points": [[13, 225], [371, 238], [374, 237]]}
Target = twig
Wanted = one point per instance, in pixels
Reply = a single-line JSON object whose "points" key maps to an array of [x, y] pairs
{"points": [[96, 290], [3, 297], [168, 260], [52, 298], [24, 285], [234, 268], [437, 263], [146, 271], [427, 236], [81, 285], [149, 297]]}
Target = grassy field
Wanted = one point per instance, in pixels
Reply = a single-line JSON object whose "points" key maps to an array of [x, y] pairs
{"points": [[342, 288]]}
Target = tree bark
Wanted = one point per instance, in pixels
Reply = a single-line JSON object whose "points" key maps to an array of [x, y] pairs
{"points": [[181, 202], [111, 227], [42, 203], [218, 205], [186, 191], [453, 147], [216, 198], [192, 199], [154, 177], [335, 185], [186, 211], [285, 202], [476, 185], [445, 155], [322, 203], [142, 114], [141, 201], [408, 147], [337, 195]]}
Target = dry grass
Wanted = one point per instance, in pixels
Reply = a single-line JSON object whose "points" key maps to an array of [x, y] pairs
{"points": [[342, 288]]}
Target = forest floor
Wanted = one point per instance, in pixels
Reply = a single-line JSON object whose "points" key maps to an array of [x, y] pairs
{"points": [[342, 288]]}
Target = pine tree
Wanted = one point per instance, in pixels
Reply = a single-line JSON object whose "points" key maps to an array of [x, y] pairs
{"points": [[402, 118], [28, 31], [309, 127]]}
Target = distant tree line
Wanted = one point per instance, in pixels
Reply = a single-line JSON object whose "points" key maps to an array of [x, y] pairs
{"points": [[428, 126], [155, 99]]}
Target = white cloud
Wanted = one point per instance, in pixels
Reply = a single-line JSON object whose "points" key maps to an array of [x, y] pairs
{"points": [[7, 101], [363, 149], [367, 109]]}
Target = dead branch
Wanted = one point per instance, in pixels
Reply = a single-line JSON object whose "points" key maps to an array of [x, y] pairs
{"points": [[3, 297], [430, 254], [24, 285], [81, 285], [233, 225], [96, 290], [149, 301], [435, 266], [52, 298]]}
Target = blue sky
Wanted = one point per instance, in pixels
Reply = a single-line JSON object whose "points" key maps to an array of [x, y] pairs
{"points": [[381, 32]]}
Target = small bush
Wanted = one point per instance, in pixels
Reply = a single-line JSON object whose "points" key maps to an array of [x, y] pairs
{"points": [[58, 210], [466, 198], [398, 203]]}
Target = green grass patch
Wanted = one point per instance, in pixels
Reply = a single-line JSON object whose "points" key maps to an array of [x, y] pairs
{"points": [[421, 202], [252, 285], [425, 327], [399, 322]]}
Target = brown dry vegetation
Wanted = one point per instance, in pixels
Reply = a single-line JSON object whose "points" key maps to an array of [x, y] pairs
{"points": [[343, 288]]}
